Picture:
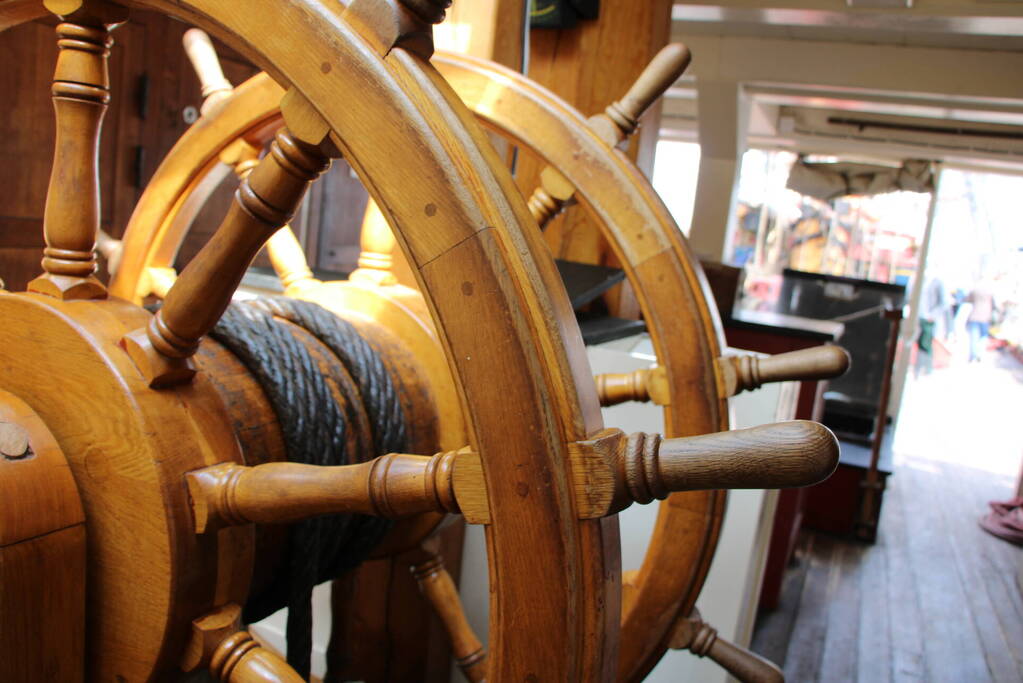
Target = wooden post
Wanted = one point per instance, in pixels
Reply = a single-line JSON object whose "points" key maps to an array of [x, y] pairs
{"points": [[202, 54], [866, 526], [700, 638]]}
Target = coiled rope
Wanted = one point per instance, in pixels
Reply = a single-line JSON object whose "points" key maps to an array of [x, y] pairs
{"points": [[317, 431]]}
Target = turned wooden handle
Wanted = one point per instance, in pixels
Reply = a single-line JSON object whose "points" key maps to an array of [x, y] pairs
{"points": [[203, 56], [621, 118], [377, 244], [746, 666], [264, 203], [81, 93], [440, 591], [218, 642], [241, 659], [285, 251], [640, 385], [744, 372], [393, 485], [663, 70], [111, 248], [782, 455], [702, 640], [819, 362]]}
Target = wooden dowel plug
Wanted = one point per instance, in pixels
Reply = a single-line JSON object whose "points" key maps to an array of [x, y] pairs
{"points": [[746, 371], [702, 639], [81, 92], [438, 588], [621, 118], [231, 653], [265, 202], [202, 54], [393, 485], [782, 455], [640, 385]]}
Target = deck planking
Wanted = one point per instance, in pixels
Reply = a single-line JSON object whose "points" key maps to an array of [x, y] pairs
{"points": [[934, 599]]}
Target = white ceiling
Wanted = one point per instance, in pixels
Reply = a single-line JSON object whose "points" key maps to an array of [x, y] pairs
{"points": [[948, 64]]}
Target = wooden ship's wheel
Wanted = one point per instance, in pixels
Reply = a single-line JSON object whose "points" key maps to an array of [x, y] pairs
{"points": [[175, 446], [659, 599]]}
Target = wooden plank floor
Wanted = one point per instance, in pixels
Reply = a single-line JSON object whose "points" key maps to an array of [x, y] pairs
{"points": [[935, 599]]}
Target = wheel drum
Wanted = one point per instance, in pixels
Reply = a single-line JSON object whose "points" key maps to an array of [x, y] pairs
{"points": [[501, 313]]}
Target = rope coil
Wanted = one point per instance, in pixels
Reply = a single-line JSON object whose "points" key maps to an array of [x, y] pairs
{"points": [[318, 429]]}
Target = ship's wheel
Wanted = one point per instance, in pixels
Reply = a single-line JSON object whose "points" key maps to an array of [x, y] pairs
{"points": [[693, 380]]}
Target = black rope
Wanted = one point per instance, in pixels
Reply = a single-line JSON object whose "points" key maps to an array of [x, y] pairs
{"points": [[367, 368], [316, 430]]}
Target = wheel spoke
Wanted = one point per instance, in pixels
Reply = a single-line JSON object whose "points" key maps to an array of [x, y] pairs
{"points": [[202, 54], [736, 373], [285, 252], [694, 634], [621, 118], [612, 470], [231, 654], [81, 92], [393, 485], [614, 125], [439, 590], [265, 201], [746, 371], [160, 280], [639, 385], [376, 242]]}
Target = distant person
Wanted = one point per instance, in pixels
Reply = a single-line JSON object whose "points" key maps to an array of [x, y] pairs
{"points": [[933, 316], [980, 317]]}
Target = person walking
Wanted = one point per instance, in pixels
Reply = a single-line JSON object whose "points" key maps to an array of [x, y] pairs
{"points": [[933, 312], [980, 317]]}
